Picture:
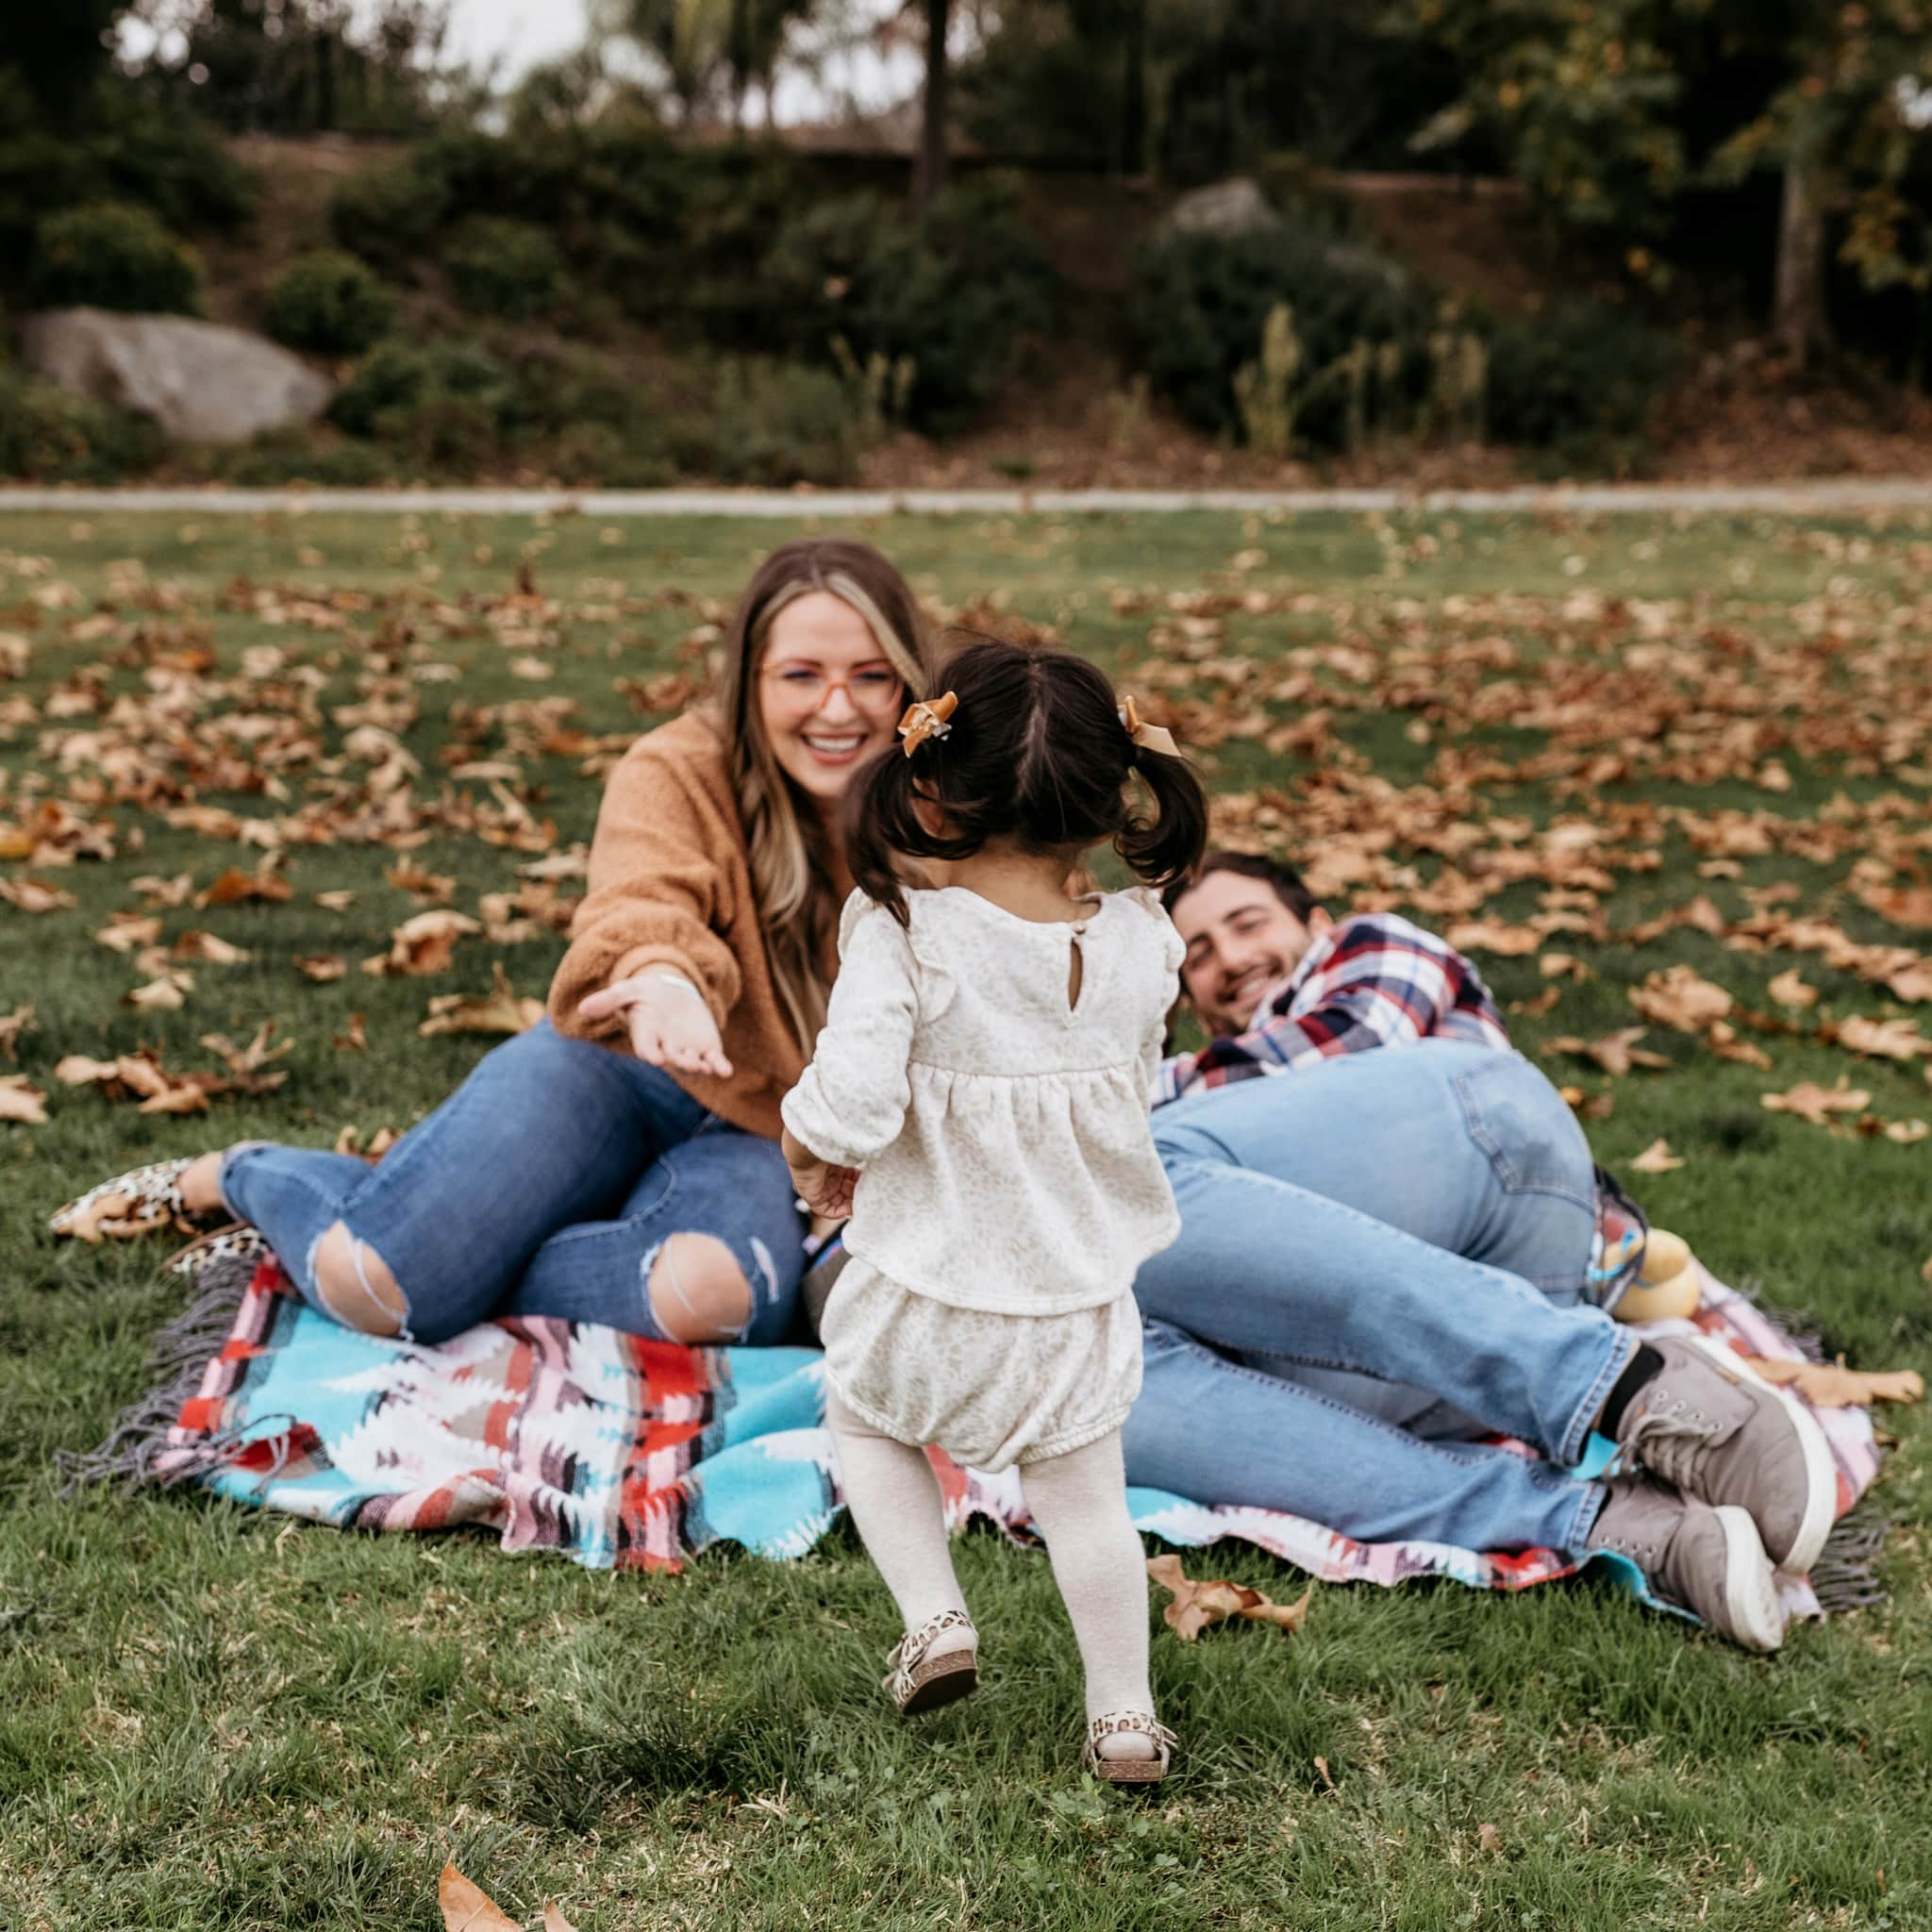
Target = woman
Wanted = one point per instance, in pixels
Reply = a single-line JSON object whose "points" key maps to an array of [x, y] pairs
{"points": [[618, 1162]]}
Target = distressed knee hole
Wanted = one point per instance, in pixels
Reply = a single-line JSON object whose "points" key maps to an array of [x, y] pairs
{"points": [[355, 1285], [698, 1291]]}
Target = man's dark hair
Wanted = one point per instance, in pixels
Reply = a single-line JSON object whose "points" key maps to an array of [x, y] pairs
{"points": [[1289, 884]]}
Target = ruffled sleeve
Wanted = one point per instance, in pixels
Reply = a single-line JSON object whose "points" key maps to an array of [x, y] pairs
{"points": [[850, 1103]]}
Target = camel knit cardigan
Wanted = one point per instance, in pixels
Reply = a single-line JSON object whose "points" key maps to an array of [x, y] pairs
{"points": [[669, 887]]}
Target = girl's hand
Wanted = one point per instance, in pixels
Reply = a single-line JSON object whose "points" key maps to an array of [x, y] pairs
{"points": [[670, 1024], [825, 1189]]}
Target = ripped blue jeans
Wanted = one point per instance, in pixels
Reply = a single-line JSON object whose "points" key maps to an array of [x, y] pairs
{"points": [[545, 1184]]}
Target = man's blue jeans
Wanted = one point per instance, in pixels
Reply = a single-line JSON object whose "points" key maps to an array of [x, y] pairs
{"points": [[544, 1185], [1419, 1215]]}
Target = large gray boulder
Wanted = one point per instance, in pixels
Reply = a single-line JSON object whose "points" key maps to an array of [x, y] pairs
{"points": [[1233, 206], [201, 381]]}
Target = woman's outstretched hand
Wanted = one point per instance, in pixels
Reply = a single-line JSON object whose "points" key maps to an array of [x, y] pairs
{"points": [[670, 1025], [825, 1189]]}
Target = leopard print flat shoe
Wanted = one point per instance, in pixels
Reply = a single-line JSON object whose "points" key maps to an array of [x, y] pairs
{"points": [[144, 1200]]}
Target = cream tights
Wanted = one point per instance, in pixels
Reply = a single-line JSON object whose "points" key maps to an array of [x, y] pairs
{"points": [[1079, 1502]]}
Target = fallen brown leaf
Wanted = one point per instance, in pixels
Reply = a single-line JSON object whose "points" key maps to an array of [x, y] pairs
{"points": [[1790, 990], [1831, 1385], [235, 885], [1911, 984], [1907, 1133], [497, 1011], [1678, 997], [1656, 1158], [207, 946], [320, 967], [11, 1026], [20, 1103], [1902, 905], [353, 1039], [554, 1921], [337, 901], [1816, 1104], [1195, 1606], [1889, 1039], [245, 1063], [468, 1908], [1615, 1053], [167, 994], [35, 895], [125, 931], [421, 945]]}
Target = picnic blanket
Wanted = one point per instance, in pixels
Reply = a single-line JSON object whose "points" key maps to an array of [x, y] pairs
{"points": [[626, 1454]]}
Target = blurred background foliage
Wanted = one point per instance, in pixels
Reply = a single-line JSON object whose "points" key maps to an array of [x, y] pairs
{"points": [[620, 270]]}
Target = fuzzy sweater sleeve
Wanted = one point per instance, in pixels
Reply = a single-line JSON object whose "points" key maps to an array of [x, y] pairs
{"points": [[657, 894]]}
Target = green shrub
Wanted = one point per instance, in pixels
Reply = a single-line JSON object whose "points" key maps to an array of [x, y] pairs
{"points": [[47, 435], [389, 215], [1580, 371], [300, 454], [328, 302], [450, 405], [1198, 314], [772, 424], [505, 268], [953, 295], [111, 255]]}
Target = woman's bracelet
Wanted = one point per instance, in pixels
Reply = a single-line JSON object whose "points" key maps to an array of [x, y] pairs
{"points": [[683, 985]]}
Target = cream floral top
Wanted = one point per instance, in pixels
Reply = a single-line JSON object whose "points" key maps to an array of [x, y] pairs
{"points": [[1001, 1130]]}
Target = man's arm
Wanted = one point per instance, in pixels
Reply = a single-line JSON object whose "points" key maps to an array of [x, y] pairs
{"points": [[1380, 982]]}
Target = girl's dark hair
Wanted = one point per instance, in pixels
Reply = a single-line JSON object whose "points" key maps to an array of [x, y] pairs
{"points": [[1038, 754]]}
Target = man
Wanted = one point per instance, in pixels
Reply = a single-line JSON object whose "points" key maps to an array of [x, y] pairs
{"points": [[1379, 1245]]}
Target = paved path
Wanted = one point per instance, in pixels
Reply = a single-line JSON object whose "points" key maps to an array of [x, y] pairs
{"points": [[1832, 495]]}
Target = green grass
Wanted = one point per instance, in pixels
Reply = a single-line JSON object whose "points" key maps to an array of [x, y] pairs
{"points": [[211, 1719]]}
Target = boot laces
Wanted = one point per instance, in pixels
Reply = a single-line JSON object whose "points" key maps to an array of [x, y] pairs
{"points": [[1667, 1444]]}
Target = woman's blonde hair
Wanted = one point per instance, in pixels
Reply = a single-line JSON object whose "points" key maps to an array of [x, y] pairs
{"points": [[785, 840]]}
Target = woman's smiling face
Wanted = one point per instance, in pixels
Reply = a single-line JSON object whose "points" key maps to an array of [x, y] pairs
{"points": [[828, 697]]}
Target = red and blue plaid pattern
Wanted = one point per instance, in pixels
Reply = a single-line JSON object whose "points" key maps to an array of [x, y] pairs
{"points": [[1373, 980]]}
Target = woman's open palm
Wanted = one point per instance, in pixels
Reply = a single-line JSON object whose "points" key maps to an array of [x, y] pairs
{"points": [[669, 1027]]}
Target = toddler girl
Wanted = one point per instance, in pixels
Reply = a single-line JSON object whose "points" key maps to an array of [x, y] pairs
{"points": [[979, 1101]]}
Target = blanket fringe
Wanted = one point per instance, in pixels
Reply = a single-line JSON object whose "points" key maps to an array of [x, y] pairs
{"points": [[1845, 1577], [139, 1436]]}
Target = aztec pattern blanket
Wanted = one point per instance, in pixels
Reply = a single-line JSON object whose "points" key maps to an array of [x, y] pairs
{"points": [[627, 1453]]}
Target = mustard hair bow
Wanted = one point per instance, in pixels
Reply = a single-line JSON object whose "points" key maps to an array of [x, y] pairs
{"points": [[927, 719], [1148, 737]]}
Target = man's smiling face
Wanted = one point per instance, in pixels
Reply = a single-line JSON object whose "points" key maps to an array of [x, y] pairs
{"points": [[1240, 940]]}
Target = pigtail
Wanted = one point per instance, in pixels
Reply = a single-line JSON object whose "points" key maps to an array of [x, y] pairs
{"points": [[879, 824], [1167, 848]]}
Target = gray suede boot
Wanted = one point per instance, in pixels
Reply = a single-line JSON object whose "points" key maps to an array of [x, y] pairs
{"points": [[1710, 1562]]}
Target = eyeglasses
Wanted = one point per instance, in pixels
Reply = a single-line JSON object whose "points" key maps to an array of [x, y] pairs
{"points": [[805, 687]]}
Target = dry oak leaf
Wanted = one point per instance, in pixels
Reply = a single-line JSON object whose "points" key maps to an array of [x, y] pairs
{"points": [[235, 885], [166, 995], [245, 1063], [497, 1011], [1197, 1605], [467, 1907], [1493, 936], [1902, 905], [1656, 1158], [1816, 1104], [35, 895], [126, 931], [1831, 1385], [11, 1026], [1615, 1053], [421, 945], [20, 1103], [1723, 1041], [1911, 983], [207, 946], [1678, 997], [1886, 1040], [1790, 990], [320, 967]]}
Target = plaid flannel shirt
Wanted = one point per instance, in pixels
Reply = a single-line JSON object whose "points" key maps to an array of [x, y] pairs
{"points": [[1373, 980]]}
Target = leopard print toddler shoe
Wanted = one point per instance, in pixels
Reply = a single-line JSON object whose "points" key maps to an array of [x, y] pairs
{"points": [[920, 1681], [1129, 1771]]}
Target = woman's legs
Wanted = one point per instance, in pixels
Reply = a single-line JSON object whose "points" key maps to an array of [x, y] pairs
{"points": [[545, 1132], [707, 1246]]}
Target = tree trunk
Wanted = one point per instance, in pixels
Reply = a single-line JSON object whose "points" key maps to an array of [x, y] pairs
{"points": [[930, 171], [1797, 319], [1134, 94]]}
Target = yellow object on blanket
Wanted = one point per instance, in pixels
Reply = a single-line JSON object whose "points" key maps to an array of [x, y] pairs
{"points": [[1666, 1287]]}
